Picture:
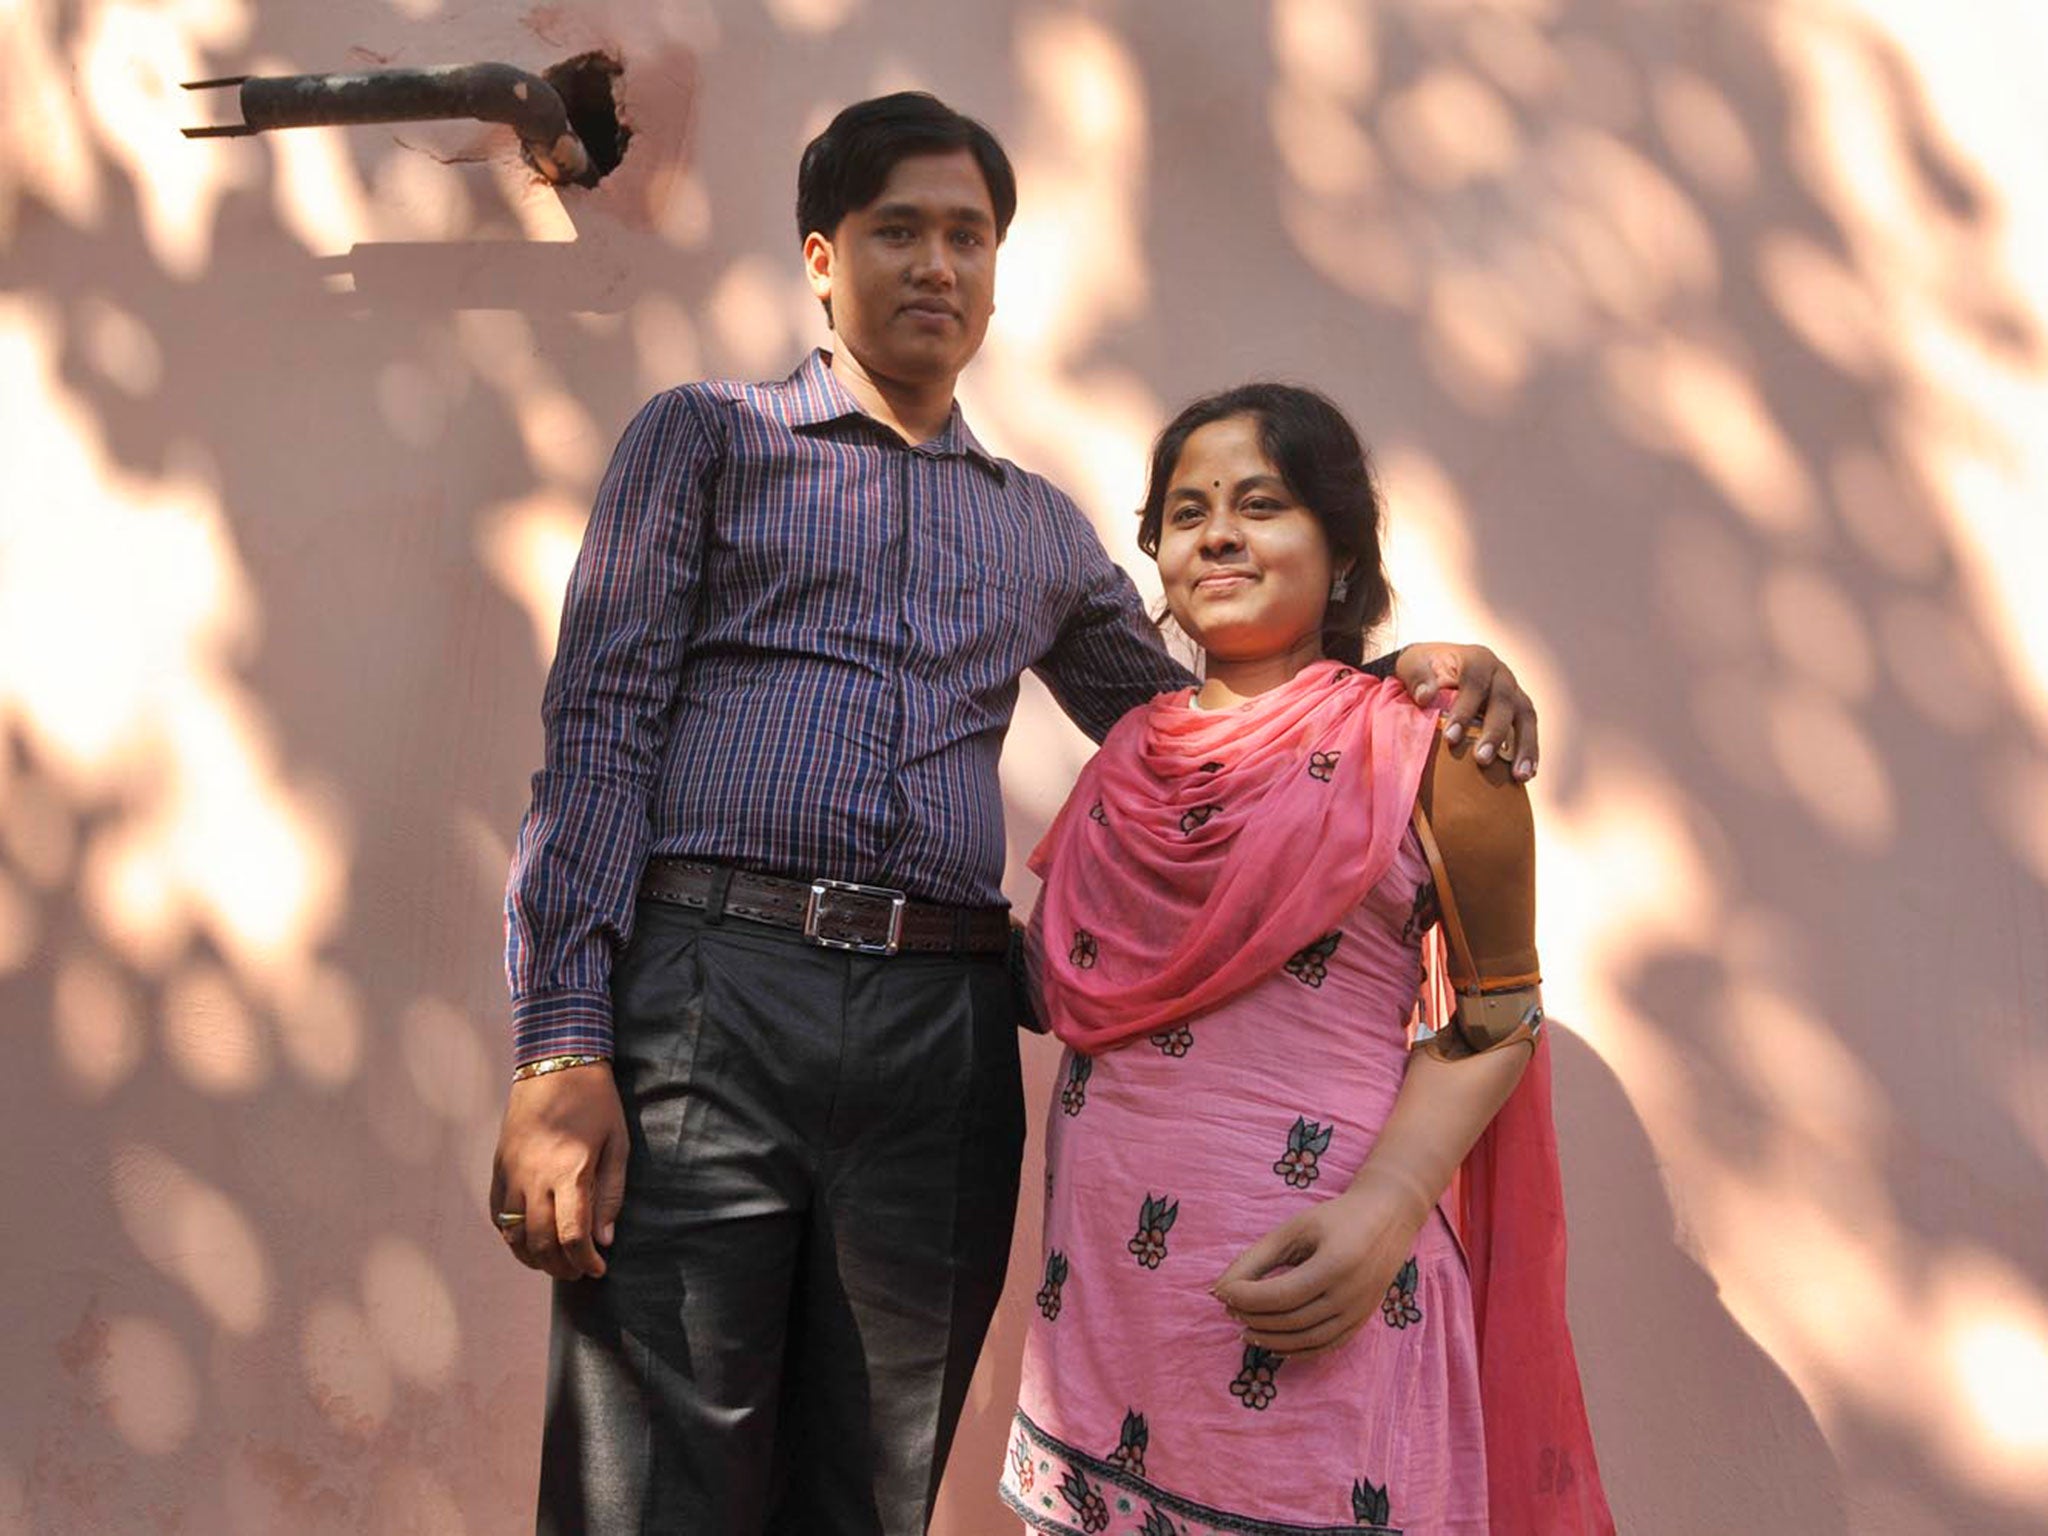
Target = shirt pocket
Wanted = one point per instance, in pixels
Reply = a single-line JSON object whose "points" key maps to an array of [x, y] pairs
{"points": [[998, 582]]}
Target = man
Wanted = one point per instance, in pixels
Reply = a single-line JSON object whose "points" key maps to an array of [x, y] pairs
{"points": [[756, 931]]}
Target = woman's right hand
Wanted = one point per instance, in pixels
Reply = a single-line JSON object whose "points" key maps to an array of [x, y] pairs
{"points": [[1317, 1278]]}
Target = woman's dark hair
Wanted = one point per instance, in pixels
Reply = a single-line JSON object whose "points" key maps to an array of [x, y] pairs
{"points": [[846, 166], [1327, 470]]}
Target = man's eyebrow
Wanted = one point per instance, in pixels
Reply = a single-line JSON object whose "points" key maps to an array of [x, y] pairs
{"points": [[966, 213]]}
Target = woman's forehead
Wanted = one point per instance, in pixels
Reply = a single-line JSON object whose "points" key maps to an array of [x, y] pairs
{"points": [[1224, 452]]}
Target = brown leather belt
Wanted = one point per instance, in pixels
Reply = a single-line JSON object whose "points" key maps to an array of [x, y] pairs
{"points": [[837, 914]]}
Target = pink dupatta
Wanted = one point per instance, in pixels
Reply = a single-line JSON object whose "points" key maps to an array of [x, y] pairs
{"points": [[1201, 848], [1507, 1207]]}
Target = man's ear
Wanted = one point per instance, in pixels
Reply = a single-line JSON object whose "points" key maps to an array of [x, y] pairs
{"points": [[819, 264]]}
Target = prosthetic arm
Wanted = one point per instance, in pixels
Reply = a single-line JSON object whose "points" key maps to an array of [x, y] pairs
{"points": [[1480, 840]]}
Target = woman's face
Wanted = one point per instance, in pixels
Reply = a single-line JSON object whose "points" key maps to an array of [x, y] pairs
{"points": [[1246, 567]]}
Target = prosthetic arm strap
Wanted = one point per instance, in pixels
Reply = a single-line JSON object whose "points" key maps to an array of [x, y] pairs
{"points": [[1476, 832]]}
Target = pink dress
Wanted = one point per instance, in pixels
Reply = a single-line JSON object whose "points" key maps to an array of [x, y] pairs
{"points": [[1228, 941], [1142, 1411]]}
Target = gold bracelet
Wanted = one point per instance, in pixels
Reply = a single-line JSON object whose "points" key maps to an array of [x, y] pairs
{"points": [[554, 1064]]}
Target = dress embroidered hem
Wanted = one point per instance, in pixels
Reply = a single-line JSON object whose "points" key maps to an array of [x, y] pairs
{"points": [[1057, 1488]]}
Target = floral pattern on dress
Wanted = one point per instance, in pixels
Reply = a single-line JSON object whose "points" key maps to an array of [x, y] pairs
{"points": [[1321, 765], [1097, 815], [1369, 1503], [1155, 1219], [1074, 1093], [1257, 1381], [1086, 1502], [1082, 953], [1049, 1298], [1399, 1307], [1422, 913], [1310, 965], [1300, 1164], [1129, 1455], [1020, 1462], [1192, 819], [1177, 1041]]}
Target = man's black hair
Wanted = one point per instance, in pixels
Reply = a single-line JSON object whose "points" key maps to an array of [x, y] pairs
{"points": [[846, 166]]}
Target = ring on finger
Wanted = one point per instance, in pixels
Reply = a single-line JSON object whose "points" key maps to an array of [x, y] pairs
{"points": [[506, 1221]]}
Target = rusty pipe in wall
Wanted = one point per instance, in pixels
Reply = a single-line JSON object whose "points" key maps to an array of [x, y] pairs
{"points": [[489, 93]]}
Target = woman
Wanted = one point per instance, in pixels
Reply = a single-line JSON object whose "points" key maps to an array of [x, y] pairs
{"points": [[1255, 1316]]}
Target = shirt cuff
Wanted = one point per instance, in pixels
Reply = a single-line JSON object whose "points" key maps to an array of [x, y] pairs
{"points": [[561, 1024]]}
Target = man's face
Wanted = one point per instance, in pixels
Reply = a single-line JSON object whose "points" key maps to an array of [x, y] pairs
{"points": [[911, 277]]}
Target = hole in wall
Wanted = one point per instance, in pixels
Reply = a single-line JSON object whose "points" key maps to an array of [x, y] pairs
{"points": [[585, 84]]}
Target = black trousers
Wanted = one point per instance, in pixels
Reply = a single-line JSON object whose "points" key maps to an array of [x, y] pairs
{"points": [[822, 1181]]}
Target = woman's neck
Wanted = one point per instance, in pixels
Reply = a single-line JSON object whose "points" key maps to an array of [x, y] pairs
{"points": [[1230, 681]]}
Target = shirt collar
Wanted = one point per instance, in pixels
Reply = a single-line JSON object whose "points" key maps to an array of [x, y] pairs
{"points": [[812, 396]]}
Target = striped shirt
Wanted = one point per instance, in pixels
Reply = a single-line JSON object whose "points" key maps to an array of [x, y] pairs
{"points": [[792, 643]]}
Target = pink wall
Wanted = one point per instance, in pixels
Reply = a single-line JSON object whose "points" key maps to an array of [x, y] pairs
{"points": [[1704, 349]]}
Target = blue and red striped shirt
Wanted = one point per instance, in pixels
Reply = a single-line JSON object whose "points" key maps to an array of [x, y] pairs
{"points": [[791, 643]]}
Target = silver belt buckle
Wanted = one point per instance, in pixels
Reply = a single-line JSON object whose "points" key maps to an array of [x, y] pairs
{"points": [[814, 903]]}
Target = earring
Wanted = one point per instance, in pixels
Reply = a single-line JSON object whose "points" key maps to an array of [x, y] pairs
{"points": [[1340, 588]]}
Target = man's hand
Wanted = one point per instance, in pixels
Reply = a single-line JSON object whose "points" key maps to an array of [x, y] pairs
{"points": [[1489, 699], [1344, 1253], [561, 1163]]}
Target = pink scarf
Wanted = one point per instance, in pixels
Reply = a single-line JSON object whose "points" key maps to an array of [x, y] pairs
{"points": [[1507, 1207], [1182, 877]]}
